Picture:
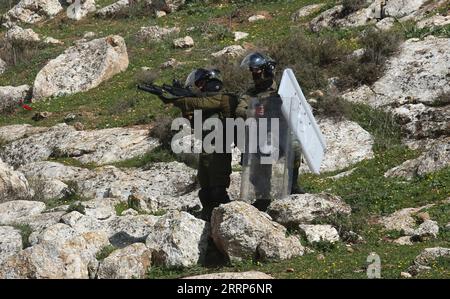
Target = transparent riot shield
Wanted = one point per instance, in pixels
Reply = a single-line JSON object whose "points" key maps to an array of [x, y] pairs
{"points": [[268, 157]]}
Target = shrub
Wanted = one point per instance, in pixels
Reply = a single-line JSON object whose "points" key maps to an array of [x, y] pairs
{"points": [[332, 106], [162, 131], [310, 56], [350, 6], [378, 46], [15, 52], [76, 206], [235, 78], [25, 232], [216, 32], [105, 252]]}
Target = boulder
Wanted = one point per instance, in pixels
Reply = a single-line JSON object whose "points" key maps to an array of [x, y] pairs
{"points": [[183, 42], [434, 21], [420, 121], [402, 8], [130, 262], [156, 33], [38, 222], [126, 230], [13, 184], [11, 96], [178, 240], [424, 260], [10, 242], [96, 146], [19, 35], [435, 159], [402, 220], [232, 275], [82, 67], [13, 211], [419, 72], [49, 179], [347, 143], [304, 208], [426, 230], [80, 9], [33, 11], [242, 232], [53, 259], [306, 11], [165, 186], [230, 51], [320, 233], [14, 132], [326, 18], [100, 209], [112, 9]]}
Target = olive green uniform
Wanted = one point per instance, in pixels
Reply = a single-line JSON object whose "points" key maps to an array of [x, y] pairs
{"points": [[214, 169]]}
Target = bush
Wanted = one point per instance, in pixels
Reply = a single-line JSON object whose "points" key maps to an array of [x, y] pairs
{"points": [[216, 32], [378, 46], [162, 131], [16, 52], [235, 78], [350, 6], [332, 106], [310, 56]]}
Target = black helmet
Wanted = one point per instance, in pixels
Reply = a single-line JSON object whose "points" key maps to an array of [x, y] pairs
{"points": [[211, 77], [258, 61]]}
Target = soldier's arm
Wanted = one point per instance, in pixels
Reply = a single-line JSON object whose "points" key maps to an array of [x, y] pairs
{"points": [[198, 103], [241, 109]]}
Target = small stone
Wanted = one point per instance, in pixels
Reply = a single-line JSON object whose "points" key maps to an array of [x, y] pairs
{"points": [[405, 240], [255, 18], [89, 34], [78, 126], [405, 275], [52, 41], [171, 63], [70, 117], [350, 250], [230, 51], [238, 35], [290, 270], [316, 94], [423, 216], [160, 14], [41, 115], [320, 257], [184, 42]]}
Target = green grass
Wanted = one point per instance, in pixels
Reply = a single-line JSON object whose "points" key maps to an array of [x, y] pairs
{"points": [[157, 155], [25, 232], [120, 208], [338, 263], [105, 252]]}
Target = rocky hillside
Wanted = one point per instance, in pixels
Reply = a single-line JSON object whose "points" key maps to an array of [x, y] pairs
{"points": [[89, 189]]}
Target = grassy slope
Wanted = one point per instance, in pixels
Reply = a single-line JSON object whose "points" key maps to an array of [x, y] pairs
{"points": [[117, 103]]}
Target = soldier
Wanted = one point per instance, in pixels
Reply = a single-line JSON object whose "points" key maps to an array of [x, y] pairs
{"points": [[214, 169], [269, 106]]}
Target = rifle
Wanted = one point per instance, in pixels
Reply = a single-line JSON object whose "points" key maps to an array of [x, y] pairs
{"points": [[176, 90]]}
